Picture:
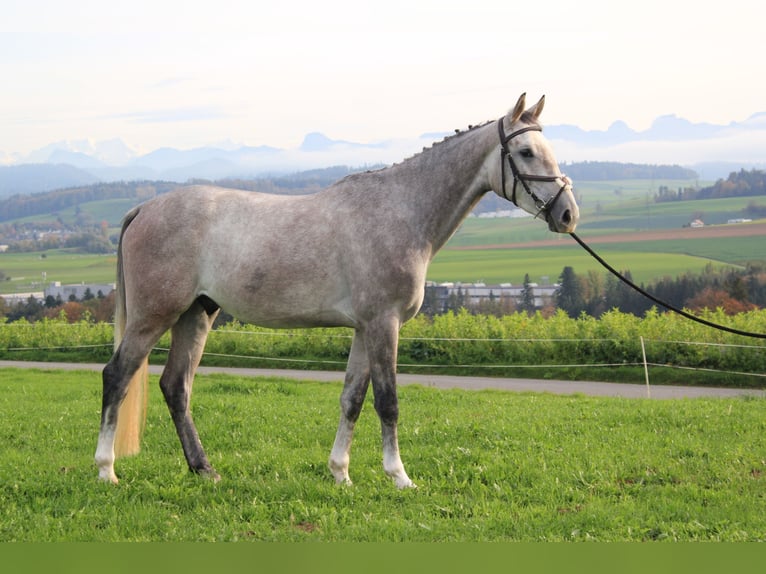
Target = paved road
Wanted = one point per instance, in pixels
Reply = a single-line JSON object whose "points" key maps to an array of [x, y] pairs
{"points": [[449, 381]]}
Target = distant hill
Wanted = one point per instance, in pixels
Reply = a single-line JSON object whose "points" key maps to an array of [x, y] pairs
{"points": [[713, 151], [33, 178], [24, 205], [67, 167], [611, 170], [50, 202]]}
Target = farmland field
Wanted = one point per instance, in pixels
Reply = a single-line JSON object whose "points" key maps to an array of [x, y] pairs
{"points": [[619, 217], [648, 254], [494, 266], [109, 210], [652, 240], [25, 270], [490, 466]]}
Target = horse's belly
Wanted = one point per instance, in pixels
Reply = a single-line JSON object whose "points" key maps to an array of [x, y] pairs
{"points": [[296, 321], [285, 307]]}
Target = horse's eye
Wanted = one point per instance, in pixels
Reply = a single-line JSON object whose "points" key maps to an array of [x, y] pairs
{"points": [[527, 153]]}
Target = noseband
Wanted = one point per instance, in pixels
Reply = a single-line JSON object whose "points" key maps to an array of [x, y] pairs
{"points": [[544, 207]]}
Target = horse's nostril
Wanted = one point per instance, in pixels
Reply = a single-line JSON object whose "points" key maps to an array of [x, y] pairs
{"points": [[566, 217]]}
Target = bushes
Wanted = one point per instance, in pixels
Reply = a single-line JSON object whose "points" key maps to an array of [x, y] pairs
{"points": [[519, 339], [56, 340], [513, 345]]}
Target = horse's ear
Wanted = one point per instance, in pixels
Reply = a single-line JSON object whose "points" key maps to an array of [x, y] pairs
{"points": [[537, 109], [518, 109]]}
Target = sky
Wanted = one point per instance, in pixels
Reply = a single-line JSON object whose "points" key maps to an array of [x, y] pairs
{"points": [[175, 73]]}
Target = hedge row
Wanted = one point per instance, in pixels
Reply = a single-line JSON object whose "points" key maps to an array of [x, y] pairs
{"points": [[517, 344]]}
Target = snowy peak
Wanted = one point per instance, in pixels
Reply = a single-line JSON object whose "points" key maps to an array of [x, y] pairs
{"points": [[669, 140], [110, 152]]}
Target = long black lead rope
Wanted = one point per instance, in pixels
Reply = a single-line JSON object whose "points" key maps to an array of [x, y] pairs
{"points": [[662, 303]]}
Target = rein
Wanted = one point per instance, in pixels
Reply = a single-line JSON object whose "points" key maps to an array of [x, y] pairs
{"points": [[660, 302], [544, 207]]}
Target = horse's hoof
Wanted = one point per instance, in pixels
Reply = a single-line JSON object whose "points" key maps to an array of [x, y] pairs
{"points": [[405, 484], [209, 474], [108, 476]]}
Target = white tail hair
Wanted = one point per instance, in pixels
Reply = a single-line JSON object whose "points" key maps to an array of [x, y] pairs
{"points": [[131, 417]]}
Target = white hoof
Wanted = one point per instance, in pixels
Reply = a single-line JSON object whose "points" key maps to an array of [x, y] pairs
{"points": [[401, 484], [339, 471], [107, 475]]}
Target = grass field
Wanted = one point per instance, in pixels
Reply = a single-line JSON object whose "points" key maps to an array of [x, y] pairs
{"points": [[646, 260], [544, 264], [614, 207], [491, 466], [25, 270], [604, 212], [109, 210]]}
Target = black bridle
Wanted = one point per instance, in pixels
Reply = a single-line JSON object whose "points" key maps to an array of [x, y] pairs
{"points": [[544, 207]]}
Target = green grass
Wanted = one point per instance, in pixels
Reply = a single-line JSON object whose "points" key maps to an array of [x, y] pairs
{"points": [[489, 265], [511, 264], [607, 207], [645, 260], [603, 211], [479, 231], [65, 265], [110, 210], [618, 191], [732, 250], [707, 207], [491, 466]]}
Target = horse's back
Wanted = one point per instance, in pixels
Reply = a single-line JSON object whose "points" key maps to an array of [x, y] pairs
{"points": [[318, 259], [265, 258]]}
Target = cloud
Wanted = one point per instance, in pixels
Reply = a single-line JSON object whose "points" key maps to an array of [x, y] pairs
{"points": [[205, 113], [168, 83], [741, 147], [670, 140]]}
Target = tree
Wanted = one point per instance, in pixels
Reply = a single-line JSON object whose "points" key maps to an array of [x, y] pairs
{"points": [[32, 311], [711, 298], [430, 301], [455, 301], [618, 295], [595, 294], [569, 295], [527, 302]]}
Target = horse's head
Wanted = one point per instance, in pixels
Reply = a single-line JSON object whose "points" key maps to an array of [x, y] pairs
{"points": [[532, 179]]}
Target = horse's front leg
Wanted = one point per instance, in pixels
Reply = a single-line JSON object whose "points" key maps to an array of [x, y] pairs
{"points": [[381, 340], [351, 401]]}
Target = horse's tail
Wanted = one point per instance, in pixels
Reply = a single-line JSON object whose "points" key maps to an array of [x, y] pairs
{"points": [[132, 414]]}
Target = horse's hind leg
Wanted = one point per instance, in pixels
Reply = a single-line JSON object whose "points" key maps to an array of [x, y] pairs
{"points": [[117, 376], [188, 338], [351, 401]]}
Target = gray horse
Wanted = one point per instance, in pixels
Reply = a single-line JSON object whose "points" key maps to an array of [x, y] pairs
{"points": [[352, 255]]}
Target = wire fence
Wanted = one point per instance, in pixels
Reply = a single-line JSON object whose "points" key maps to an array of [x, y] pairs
{"points": [[654, 353]]}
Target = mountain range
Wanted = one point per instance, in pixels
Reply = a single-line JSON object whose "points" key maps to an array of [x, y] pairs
{"points": [[712, 150]]}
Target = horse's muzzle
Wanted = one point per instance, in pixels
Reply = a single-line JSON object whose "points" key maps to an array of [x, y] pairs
{"points": [[564, 214]]}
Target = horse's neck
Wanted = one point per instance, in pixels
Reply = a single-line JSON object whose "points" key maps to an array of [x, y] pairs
{"points": [[442, 184]]}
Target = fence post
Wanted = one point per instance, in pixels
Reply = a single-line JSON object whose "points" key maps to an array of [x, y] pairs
{"points": [[646, 368]]}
